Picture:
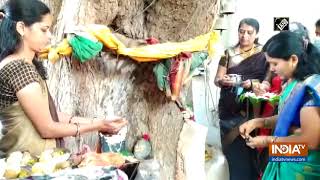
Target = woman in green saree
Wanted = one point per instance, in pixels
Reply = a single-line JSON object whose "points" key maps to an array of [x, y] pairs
{"points": [[27, 112], [298, 120]]}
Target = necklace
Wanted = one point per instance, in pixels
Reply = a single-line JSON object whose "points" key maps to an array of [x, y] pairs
{"points": [[247, 53]]}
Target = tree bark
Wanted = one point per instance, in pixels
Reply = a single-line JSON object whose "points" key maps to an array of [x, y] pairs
{"points": [[177, 20], [89, 89]]}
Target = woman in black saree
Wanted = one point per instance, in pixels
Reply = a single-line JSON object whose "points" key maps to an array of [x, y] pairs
{"points": [[243, 59]]}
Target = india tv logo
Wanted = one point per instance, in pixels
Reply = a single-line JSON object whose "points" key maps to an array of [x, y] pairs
{"points": [[288, 152], [280, 23]]}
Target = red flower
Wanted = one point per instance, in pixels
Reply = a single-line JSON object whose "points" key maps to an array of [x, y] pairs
{"points": [[146, 137], [152, 40]]}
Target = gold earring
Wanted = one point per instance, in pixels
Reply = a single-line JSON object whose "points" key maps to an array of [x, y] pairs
{"points": [[293, 66]]}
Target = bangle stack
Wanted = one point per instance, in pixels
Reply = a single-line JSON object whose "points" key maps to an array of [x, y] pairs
{"points": [[266, 123]]}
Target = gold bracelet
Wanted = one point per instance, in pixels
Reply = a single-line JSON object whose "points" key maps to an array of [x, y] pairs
{"points": [[265, 123], [265, 141]]}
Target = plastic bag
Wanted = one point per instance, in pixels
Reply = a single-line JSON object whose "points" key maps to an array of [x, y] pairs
{"points": [[217, 167], [148, 170], [2, 167], [190, 152]]}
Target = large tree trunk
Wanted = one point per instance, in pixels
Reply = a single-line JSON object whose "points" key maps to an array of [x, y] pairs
{"points": [[177, 20], [88, 89]]}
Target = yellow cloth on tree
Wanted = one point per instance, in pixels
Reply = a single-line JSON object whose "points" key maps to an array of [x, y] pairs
{"points": [[148, 53], [157, 51]]}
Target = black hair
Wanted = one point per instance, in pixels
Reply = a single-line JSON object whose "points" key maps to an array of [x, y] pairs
{"points": [[318, 23], [26, 11], [285, 44], [251, 22]]}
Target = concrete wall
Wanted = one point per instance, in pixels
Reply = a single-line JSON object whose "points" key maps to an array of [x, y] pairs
{"points": [[305, 12]]}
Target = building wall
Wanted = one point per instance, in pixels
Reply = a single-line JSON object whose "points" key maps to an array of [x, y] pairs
{"points": [[264, 11]]}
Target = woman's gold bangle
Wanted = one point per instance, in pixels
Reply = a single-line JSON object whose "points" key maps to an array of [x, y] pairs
{"points": [[265, 123]]}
